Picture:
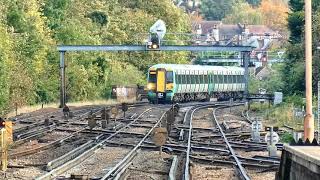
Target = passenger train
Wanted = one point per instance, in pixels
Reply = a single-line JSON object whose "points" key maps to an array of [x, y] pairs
{"points": [[182, 83]]}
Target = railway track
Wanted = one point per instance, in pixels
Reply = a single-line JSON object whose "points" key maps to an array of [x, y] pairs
{"points": [[218, 145], [34, 152], [94, 150], [220, 150]]}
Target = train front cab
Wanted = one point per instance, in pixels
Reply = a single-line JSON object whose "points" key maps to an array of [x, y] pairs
{"points": [[160, 85]]}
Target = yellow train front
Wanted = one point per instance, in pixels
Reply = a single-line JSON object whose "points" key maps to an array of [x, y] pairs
{"points": [[160, 85], [183, 83]]}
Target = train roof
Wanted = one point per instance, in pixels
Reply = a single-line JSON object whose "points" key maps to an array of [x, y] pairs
{"points": [[175, 67]]}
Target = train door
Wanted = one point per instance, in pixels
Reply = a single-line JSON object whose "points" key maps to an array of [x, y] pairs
{"points": [[161, 80]]}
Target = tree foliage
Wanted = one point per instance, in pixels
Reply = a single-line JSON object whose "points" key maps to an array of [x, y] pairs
{"points": [[275, 14], [294, 70], [30, 31], [243, 13], [216, 9]]}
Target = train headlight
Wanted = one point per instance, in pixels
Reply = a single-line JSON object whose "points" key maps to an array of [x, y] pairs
{"points": [[149, 86]]}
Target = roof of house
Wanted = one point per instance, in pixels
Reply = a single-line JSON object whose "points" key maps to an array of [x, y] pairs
{"points": [[206, 26], [229, 29], [260, 30]]}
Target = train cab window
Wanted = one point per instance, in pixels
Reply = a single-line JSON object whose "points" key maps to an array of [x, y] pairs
{"points": [[152, 77], [169, 76]]}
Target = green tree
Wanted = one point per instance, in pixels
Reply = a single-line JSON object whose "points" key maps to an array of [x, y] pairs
{"points": [[293, 71], [243, 13], [216, 9]]}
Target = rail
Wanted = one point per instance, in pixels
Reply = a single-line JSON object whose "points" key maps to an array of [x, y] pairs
{"points": [[241, 170]]}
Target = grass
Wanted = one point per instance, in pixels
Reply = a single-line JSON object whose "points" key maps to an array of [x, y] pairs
{"points": [[277, 115]]}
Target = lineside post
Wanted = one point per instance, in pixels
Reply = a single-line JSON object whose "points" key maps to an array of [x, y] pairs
{"points": [[62, 80], [246, 59], [4, 150], [308, 119]]}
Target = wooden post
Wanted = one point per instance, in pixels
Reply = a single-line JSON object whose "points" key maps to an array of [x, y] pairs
{"points": [[4, 151], [308, 119]]}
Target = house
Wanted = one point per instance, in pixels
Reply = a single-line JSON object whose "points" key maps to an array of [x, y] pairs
{"points": [[262, 72], [217, 33]]}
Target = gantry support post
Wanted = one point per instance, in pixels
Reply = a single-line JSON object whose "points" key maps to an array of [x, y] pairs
{"points": [[62, 80], [246, 59], [308, 119]]}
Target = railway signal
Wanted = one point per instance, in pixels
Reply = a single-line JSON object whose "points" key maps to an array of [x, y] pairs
{"points": [[153, 43], [157, 32]]}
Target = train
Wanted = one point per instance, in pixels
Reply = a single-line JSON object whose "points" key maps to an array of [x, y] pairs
{"points": [[169, 83]]}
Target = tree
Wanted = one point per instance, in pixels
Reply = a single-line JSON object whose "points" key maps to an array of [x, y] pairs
{"points": [[215, 9], [275, 14], [294, 69], [243, 13]]}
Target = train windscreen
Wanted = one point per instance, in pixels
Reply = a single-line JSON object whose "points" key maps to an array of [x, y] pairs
{"points": [[152, 77]]}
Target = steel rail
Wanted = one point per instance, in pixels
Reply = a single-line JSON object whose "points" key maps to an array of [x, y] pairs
{"points": [[118, 170], [49, 129], [241, 170], [186, 168], [173, 168], [80, 154], [45, 147]]}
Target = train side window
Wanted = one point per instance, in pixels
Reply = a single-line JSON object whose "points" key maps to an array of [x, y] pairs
{"points": [[206, 79], [177, 78], [186, 79], [193, 79], [169, 76], [183, 79]]}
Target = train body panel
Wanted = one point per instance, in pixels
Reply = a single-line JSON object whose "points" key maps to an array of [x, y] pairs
{"points": [[194, 82]]}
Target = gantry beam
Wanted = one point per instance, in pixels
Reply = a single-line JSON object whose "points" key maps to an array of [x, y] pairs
{"points": [[66, 48]]}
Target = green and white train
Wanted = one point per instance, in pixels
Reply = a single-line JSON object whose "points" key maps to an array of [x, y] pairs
{"points": [[181, 83]]}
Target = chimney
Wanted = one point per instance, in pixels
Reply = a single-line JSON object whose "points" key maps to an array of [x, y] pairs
{"points": [[199, 29], [215, 32]]}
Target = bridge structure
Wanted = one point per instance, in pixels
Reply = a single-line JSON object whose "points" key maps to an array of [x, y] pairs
{"points": [[244, 52], [257, 58]]}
